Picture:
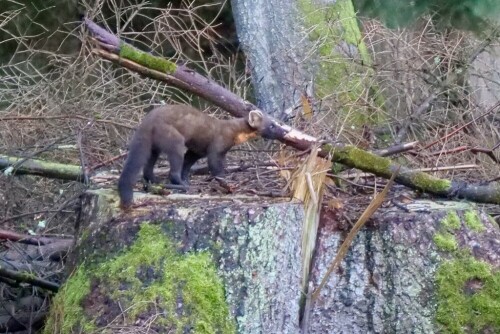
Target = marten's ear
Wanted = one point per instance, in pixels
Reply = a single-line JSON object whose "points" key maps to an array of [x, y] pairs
{"points": [[255, 119]]}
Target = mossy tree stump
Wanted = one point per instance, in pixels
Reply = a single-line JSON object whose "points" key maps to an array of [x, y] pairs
{"points": [[423, 267], [193, 264]]}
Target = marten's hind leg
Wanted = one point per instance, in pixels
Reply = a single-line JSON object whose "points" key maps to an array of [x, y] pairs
{"points": [[172, 143], [148, 174]]}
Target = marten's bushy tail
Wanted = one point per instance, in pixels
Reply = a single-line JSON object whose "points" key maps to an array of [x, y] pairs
{"points": [[138, 155]]}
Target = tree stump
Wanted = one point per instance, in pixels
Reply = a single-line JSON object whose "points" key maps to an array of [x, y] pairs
{"points": [[232, 264], [430, 267], [183, 264]]}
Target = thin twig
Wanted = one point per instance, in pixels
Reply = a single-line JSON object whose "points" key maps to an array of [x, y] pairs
{"points": [[44, 118], [420, 109], [396, 149], [489, 111]]}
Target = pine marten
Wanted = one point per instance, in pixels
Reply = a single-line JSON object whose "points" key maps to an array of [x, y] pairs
{"points": [[186, 134]]}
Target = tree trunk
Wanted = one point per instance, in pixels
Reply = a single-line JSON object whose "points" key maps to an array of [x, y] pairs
{"points": [[276, 46], [305, 49], [485, 77], [195, 264]]}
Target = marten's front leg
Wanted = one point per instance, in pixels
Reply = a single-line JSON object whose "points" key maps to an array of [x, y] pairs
{"points": [[216, 163]]}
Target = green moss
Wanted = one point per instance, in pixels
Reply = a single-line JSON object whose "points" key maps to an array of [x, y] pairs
{"points": [[451, 221], [473, 222], [351, 155], [334, 28], [337, 168], [445, 241], [61, 171], [203, 291], [155, 63], [66, 313], [430, 183], [468, 294], [147, 277], [189, 279]]}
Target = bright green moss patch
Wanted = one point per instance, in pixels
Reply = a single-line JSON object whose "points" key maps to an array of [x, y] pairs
{"points": [[66, 312], [202, 291], [157, 277], [468, 297], [473, 222], [353, 156], [155, 63], [431, 184], [451, 221], [445, 241], [181, 292], [147, 251]]}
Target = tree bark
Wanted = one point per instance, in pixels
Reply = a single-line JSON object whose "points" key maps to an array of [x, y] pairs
{"points": [[484, 75], [410, 271], [277, 47], [164, 257]]}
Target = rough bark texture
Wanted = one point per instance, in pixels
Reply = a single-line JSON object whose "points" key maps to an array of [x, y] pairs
{"points": [[390, 280], [276, 46], [254, 248], [485, 77], [225, 265]]}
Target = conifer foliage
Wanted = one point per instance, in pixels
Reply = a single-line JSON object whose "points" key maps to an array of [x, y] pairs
{"points": [[474, 15]]}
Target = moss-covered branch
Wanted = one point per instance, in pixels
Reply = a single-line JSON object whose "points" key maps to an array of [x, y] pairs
{"points": [[369, 162], [54, 170]]}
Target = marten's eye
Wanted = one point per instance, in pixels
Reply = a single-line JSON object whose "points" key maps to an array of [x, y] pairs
{"points": [[272, 126]]}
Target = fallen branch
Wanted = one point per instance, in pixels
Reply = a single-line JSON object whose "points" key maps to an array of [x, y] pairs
{"points": [[396, 149], [29, 278], [384, 167], [26, 239], [351, 175], [53, 170]]}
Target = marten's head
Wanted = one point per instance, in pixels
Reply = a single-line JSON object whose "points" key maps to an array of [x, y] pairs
{"points": [[264, 125]]}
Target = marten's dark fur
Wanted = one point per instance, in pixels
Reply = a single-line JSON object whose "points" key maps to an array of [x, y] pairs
{"points": [[186, 134]]}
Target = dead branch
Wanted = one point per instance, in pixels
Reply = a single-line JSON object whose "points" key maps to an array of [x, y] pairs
{"points": [[27, 239], [54, 170], [383, 167], [396, 149], [26, 277]]}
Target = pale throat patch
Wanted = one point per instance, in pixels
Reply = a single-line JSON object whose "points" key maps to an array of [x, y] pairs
{"points": [[244, 137]]}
